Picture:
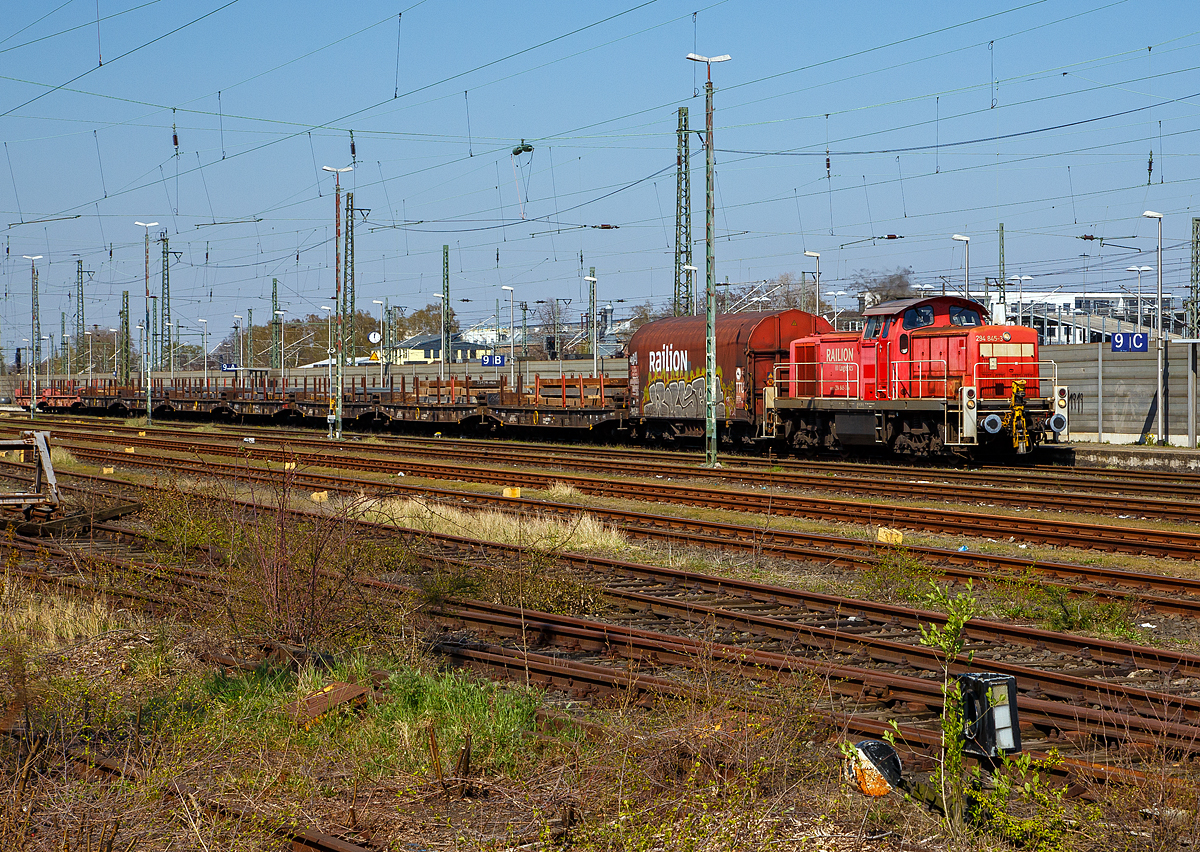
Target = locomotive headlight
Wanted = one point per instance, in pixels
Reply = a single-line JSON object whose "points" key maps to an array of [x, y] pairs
{"points": [[970, 403], [1062, 403]]}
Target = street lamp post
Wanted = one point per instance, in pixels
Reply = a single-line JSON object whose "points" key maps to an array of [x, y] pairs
{"points": [[1139, 270], [141, 348], [689, 268], [170, 351], [237, 327], [836, 294], [204, 353], [34, 328], [337, 273], [442, 360], [512, 364], [382, 351], [1158, 333], [591, 279], [710, 263], [1020, 279], [145, 359], [967, 273], [817, 289], [46, 338], [329, 364], [282, 354]]}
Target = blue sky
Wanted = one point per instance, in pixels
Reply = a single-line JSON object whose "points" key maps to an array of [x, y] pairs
{"points": [[939, 120]]}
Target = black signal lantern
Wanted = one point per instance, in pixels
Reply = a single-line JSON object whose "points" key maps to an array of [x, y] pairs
{"points": [[991, 726], [353, 156], [175, 137]]}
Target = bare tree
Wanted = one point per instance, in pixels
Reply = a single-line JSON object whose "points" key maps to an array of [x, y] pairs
{"points": [[428, 320]]}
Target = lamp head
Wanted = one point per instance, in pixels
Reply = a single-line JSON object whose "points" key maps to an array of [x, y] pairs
{"points": [[339, 171], [690, 268], [961, 238], [32, 257], [506, 287], [812, 254], [146, 224], [1150, 214], [589, 278]]}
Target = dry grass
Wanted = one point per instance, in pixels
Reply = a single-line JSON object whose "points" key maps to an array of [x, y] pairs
{"points": [[563, 492], [583, 534], [44, 622], [61, 458]]}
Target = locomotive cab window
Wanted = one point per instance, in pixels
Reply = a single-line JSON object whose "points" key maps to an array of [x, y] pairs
{"points": [[904, 344], [919, 317], [964, 316], [872, 329], [887, 326]]}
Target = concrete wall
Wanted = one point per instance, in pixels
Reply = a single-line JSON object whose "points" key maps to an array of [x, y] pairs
{"points": [[1122, 386]]}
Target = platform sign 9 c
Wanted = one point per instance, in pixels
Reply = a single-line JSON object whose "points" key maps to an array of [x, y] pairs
{"points": [[1122, 342]]}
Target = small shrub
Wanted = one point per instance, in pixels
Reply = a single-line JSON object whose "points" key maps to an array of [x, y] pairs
{"points": [[897, 576], [1028, 596], [1024, 807]]}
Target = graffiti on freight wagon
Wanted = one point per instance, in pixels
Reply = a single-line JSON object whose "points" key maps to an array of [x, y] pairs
{"points": [[678, 398]]}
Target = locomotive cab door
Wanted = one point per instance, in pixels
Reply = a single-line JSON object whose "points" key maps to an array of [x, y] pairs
{"points": [[867, 350], [883, 356]]}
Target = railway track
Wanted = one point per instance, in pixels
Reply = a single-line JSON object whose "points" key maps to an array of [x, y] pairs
{"points": [[1068, 718], [1178, 544], [1111, 706], [984, 484]]}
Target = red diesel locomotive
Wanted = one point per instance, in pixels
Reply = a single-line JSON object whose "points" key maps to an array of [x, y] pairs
{"points": [[924, 377]]}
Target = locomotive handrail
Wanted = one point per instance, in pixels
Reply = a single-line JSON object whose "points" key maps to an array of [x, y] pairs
{"points": [[787, 382], [1022, 375], [943, 377]]}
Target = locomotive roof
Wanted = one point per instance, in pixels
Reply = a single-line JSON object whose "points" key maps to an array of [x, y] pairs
{"points": [[895, 306]]}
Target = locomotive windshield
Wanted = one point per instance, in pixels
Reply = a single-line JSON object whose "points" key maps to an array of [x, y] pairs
{"points": [[919, 317], [872, 328], [963, 316]]}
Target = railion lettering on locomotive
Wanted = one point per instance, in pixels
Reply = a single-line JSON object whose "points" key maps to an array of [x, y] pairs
{"points": [[842, 354]]}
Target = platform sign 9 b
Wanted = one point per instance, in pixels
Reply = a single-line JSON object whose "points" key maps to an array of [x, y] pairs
{"points": [[493, 360], [1123, 342]]}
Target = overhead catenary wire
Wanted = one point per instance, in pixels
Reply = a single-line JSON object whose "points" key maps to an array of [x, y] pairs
{"points": [[11, 174], [840, 189], [129, 52]]}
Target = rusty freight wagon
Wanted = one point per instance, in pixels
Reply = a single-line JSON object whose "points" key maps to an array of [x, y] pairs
{"points": [[667, 391]]}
